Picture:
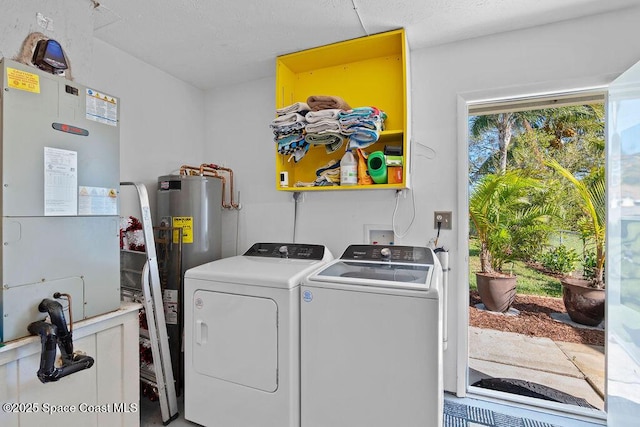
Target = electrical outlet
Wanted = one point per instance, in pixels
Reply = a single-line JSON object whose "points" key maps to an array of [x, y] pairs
{"points": [[444, 217]]}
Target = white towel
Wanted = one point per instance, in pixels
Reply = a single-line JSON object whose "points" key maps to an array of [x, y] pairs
{"points": [[316, 116], [323, 126], [298, 107], [287, 119]]}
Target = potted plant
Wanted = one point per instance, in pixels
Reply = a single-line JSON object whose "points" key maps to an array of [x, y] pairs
{"points": [[503, 217], [584, 298]]}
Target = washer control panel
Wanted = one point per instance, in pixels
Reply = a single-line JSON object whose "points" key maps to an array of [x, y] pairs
{"points": [[407, 254], [286, 250]]}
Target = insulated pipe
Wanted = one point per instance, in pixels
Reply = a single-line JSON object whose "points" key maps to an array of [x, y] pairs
{"points": [[49, 342], [48, 372], [56, 314], [59, 295]]}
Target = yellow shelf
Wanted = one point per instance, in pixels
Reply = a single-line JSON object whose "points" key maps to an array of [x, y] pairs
{"points": [[368, 71]]}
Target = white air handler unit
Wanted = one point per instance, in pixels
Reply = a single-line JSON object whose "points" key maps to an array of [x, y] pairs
{"points": [[60, 150], [242, 332]]}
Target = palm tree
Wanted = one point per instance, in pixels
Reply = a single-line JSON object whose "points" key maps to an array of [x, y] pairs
{"points": [[567, 130], [592, 199], [504, 217], [505, 125]]}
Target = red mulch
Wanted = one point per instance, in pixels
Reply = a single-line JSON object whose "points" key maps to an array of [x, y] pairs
{"points": [[534, 320]]}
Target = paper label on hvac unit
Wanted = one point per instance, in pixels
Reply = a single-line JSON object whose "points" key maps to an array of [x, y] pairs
{"points": [[97, 201], [101, 108], [170, 299], [18, 79], [60, 182], [186, 224]]}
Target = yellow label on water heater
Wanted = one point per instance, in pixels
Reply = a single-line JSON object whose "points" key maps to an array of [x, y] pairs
{"points": [[23, 80], [186, 224]]}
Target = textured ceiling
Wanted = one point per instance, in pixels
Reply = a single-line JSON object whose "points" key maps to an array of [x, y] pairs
{"points": [[213, 43]]}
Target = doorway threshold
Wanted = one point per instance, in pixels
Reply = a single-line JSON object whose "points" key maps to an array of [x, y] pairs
{"points": [[540, 411]]}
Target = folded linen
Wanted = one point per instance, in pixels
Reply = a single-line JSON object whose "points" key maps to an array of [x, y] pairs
{"points": [[325, 102], [287, 119], [287, 143], [362, 138], [316, 116], [360, 112], [297, 107], [348, 126], [330, 171], [323, 125], [332, 141], [289, 128]]}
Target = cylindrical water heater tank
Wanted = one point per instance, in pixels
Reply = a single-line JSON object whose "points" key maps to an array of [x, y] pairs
{"points": [[194, 204]]}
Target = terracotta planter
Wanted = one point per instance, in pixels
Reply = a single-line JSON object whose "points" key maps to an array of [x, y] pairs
{"points": [[585, 305], [496, 292]]}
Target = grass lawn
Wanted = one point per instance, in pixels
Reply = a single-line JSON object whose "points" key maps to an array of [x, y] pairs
{"points": [[530, 281]]}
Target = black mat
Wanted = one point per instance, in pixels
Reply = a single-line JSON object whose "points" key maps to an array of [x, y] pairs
{"points": [[531, 389]]}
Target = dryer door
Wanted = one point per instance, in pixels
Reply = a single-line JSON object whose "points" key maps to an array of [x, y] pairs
{"points": [[236, 339]]}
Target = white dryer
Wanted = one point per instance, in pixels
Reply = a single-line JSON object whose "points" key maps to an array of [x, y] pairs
{"points": [[371, 340], [242, 332]]}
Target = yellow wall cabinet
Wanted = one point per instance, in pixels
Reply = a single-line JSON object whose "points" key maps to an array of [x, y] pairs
{"points": [[368, 71]]}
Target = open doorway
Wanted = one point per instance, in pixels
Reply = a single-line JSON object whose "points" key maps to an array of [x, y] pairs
{"points": [[533, 165]]}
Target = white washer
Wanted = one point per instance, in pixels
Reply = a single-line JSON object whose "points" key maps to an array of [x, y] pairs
{"points": [[242, 331], [371, 340]]}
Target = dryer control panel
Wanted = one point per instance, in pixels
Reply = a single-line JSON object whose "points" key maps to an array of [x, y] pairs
{"points": [[409, 254], [286, 250]]}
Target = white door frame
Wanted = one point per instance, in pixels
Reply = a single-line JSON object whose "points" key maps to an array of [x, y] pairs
{"points": [[511, 99]]}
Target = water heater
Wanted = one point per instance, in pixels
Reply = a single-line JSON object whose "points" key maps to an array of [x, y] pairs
{"points": [[59, 142], [193, 204]]}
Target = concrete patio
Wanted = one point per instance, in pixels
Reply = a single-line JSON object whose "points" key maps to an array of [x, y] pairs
{"points": [[576, 369]]}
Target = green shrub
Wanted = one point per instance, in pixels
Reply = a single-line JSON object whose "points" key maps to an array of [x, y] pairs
{"points": [[560, 260], [589, 265]]}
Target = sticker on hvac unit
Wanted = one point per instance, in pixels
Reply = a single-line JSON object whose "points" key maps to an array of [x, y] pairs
{"points": [[23, 80], [60, 182], [101, 108], [97, 201]]}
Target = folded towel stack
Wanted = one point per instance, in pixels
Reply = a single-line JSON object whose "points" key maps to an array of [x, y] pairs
{"points": [[325, 120], [323, 128], [362, 125], [289, 130]]}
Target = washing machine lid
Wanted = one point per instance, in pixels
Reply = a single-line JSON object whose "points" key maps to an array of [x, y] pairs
{"points": [[264, 270], [383, 274]]}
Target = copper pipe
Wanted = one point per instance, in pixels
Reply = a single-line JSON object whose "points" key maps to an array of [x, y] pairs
{"points": [[205, 170], [211, 170], [185, 168], [233, 204]]}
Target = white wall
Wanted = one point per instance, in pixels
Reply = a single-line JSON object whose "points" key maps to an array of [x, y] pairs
{"points": [[72, 26], [564, 56], [161, 119]]}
